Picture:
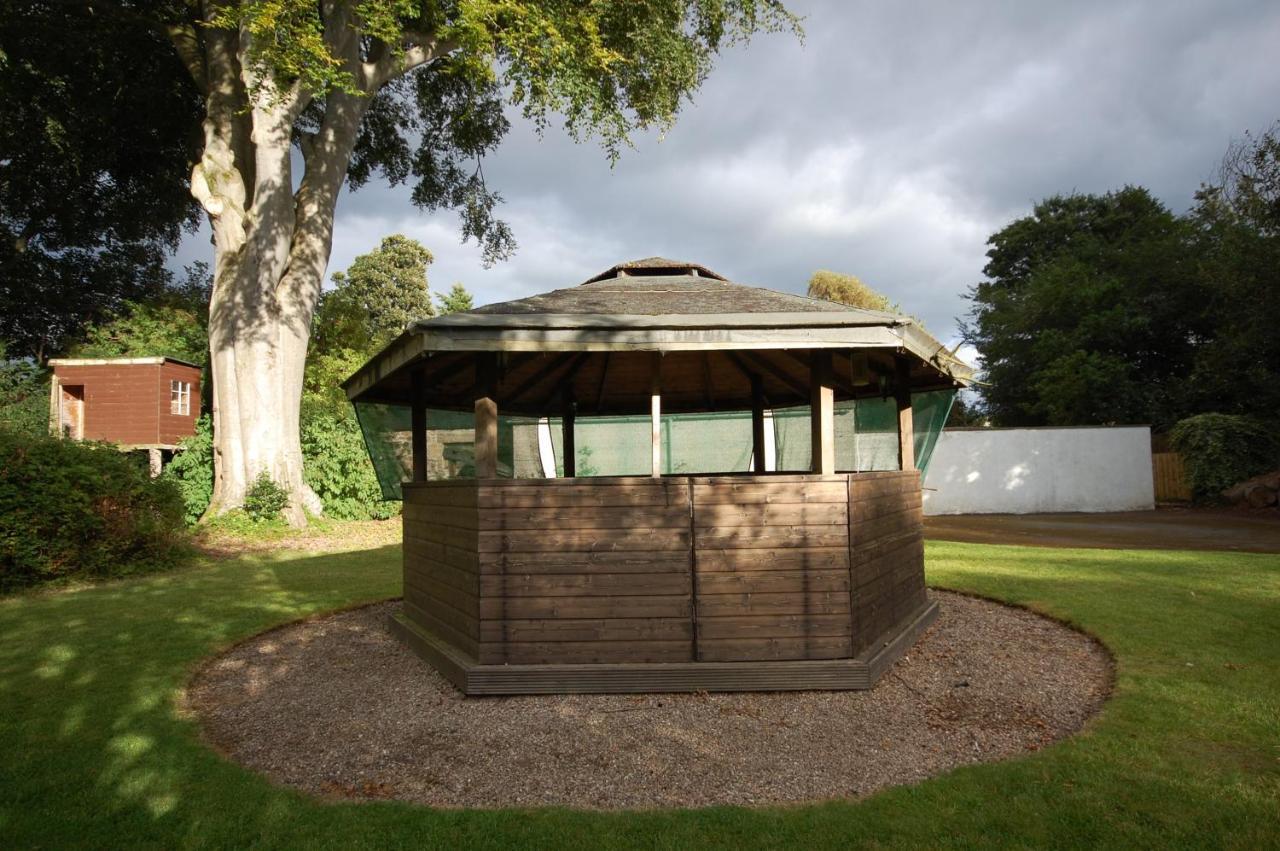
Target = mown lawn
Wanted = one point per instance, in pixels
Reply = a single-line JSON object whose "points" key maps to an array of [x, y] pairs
{"points": [[1186, 754]]}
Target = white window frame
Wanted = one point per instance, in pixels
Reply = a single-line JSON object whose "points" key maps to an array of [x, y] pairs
{"points": [[179, 404]]}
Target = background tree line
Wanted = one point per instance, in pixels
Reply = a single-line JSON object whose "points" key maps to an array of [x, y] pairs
{"points": [[1100, 309]]}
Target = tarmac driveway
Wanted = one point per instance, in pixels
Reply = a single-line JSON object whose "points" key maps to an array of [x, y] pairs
{"points": [[1163, 529]]}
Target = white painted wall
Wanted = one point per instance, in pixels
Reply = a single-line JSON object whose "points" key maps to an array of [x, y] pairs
{"points": [[1034, 470]]}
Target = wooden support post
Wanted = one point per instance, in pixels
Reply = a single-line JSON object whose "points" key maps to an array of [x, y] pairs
{"points": [[486, 426], [906, 423], [655, 413], [418, 425], [822, 421], [55, 407], [757, 423], [568, 415]]}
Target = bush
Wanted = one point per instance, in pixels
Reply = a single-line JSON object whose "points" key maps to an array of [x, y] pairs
{"points": [[264, 500], [1220, 450], [81, 510], [191, 471], [24, 396], [337, 467]]}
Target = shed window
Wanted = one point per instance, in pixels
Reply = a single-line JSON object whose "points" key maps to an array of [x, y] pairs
{"points": [[180, 397]]}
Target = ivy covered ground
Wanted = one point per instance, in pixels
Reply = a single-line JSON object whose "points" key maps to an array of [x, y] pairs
{"points": [[1186, 753]]}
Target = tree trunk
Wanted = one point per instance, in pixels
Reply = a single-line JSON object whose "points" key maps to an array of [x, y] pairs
{"points": [[271, 245]]}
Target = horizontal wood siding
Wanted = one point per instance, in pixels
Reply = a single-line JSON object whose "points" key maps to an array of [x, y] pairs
{"points": [[577, 572], [772, 568], [441, 572], [119, 400], [672, 571], [886, 554]]}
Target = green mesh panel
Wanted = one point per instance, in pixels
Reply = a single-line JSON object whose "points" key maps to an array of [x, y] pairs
{"points": [[866, 435], [691, 444]]}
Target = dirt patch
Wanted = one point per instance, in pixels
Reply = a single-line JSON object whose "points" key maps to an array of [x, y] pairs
{"points": [[330, 536], [339, 708], [1166, 528]]}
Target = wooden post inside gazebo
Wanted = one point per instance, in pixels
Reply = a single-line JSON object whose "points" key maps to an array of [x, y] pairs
{"points": [[670, 577]]}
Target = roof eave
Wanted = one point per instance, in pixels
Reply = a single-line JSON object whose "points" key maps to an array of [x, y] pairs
{"points": [[649, 333]]}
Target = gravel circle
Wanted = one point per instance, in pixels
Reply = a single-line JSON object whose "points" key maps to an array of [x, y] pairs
{"points": [[338, 707]]}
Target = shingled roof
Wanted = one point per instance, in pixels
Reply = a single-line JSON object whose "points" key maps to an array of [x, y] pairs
{"points": [[657, 286], [653, 305]]}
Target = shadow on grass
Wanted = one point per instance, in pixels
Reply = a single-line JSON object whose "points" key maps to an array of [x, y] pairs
{"points": [[97, 754]]}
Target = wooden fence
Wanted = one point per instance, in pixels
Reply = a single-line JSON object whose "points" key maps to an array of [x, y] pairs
{"points": [[1170, 477]]}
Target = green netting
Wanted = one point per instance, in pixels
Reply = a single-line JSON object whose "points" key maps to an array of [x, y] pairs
{"points": [[450, 445], [865, 433], [691, 444]]}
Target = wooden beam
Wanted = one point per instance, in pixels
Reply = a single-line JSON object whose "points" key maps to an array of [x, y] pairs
{"points": [[418, 425], [763, 364], [486, 424], [604, 371], [569, 410], [706, 381], [655, 413], [906, 422], [837, 381], [757, 423], [539, 376], [822, 421]]}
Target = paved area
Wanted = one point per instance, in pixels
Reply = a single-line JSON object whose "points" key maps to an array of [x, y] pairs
{"points": [[1171, 528]]}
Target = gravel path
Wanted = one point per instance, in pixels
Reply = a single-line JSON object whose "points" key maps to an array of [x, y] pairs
{"points": [[338, 707]]}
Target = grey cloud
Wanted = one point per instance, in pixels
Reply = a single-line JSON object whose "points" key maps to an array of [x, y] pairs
{"points": [[890, 145]]}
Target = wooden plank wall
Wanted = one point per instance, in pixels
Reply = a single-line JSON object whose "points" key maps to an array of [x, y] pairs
{"points": [[886, 552], [441, 566], [772, 559], [1170, 477], [581, 572], [120, 400], [708, 568]]}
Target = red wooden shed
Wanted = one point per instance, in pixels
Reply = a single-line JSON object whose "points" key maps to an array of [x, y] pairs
{"points": [[139, 403]]}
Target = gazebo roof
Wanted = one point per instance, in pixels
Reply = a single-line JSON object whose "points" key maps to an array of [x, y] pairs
{"points": [[655, 305], [657, 286]]}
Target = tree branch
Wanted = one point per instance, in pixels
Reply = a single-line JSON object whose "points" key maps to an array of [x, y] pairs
{"points": [[419, 49]]}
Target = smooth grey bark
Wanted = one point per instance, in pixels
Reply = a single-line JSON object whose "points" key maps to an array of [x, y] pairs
{"points": [[272, 244]]}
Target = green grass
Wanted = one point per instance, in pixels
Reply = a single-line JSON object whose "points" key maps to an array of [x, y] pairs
{"points": [[1186, 754]]}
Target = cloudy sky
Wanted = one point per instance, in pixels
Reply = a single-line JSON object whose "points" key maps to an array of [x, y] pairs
{"points": [[890, 144]]}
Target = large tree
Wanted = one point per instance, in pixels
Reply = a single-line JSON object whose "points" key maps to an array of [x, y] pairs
{"points": [[99, 128], [409, 90], [1091, 313]]}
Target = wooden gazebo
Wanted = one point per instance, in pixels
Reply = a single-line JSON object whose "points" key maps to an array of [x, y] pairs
{"points": [[733, 580]]}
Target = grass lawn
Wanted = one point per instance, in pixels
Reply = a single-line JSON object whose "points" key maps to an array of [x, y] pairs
{"points": [[1187, 753]]}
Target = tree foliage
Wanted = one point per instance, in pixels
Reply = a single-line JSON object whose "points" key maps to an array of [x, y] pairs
{"points": [[1221, 450], [99, 133], [457, 300], [1110, 308], [175, 323], [1088, 314], [376, 298], [847, 289]]}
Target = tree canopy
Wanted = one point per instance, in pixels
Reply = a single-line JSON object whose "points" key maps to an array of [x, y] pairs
{"points": [[1112, 309], [100, 129]]}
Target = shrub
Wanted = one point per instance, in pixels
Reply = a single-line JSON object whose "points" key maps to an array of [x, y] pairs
{"points": [[81, 510], [191, 471], [264, 500], [24, 396], [337, 467], [1220, 450]]}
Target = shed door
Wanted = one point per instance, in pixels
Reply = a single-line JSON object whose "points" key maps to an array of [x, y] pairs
{"points": [[72, 411]]}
